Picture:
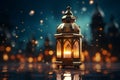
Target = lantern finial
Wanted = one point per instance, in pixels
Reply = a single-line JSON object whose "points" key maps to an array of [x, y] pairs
{"points": [[68, 11]]}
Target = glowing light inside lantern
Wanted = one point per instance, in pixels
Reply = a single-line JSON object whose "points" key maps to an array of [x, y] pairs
{"points": [[67, 54], [58, 50], [67, 50]]}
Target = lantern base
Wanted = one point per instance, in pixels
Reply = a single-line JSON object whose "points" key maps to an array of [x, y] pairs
{"points": [[68, 63]]}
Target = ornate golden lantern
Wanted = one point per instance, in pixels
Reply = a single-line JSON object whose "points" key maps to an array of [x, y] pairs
{"points": [[68, 41]]}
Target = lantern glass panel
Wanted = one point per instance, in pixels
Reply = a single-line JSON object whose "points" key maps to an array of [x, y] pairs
{"points": [[58, 49], [67, 49], [76, 49]]}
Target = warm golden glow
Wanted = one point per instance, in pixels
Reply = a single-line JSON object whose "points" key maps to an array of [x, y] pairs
{"points": [[97, 67], [58, 50], [30, 66], [8, 49], [40, 57], [53, 59], [5, 57], [50, 72], [67, 50], [104, 52], [67, 76], [82, 57], [53, 66], [30, 59], [97, 57], [86, 53], [107, 59], [82, 66], [76, 50], [51, 52], [67, 54]]}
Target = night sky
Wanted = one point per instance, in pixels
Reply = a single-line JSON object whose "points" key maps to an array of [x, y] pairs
{"points": [[40, 18]]}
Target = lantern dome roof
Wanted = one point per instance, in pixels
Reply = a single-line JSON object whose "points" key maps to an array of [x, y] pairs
{"points": [[68, 24]]}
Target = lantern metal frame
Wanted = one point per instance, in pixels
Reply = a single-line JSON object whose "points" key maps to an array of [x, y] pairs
{"points": [[68, 41]]}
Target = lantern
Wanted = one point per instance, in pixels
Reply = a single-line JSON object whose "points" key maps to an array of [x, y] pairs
{"points": [[68, 41]]}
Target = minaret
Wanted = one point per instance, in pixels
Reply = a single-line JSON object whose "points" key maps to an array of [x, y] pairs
{"points": [[113, 36], [48, 51], [97, 28], [31, 47], [113, 28]]}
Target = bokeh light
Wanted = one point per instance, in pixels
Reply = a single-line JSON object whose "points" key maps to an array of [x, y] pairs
{"points": [[30, 59], [32, 12], [91, 2], [8, 49], [5, 57]]}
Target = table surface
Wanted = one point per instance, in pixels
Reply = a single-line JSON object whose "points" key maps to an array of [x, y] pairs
{"points": [[49, 71]]}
